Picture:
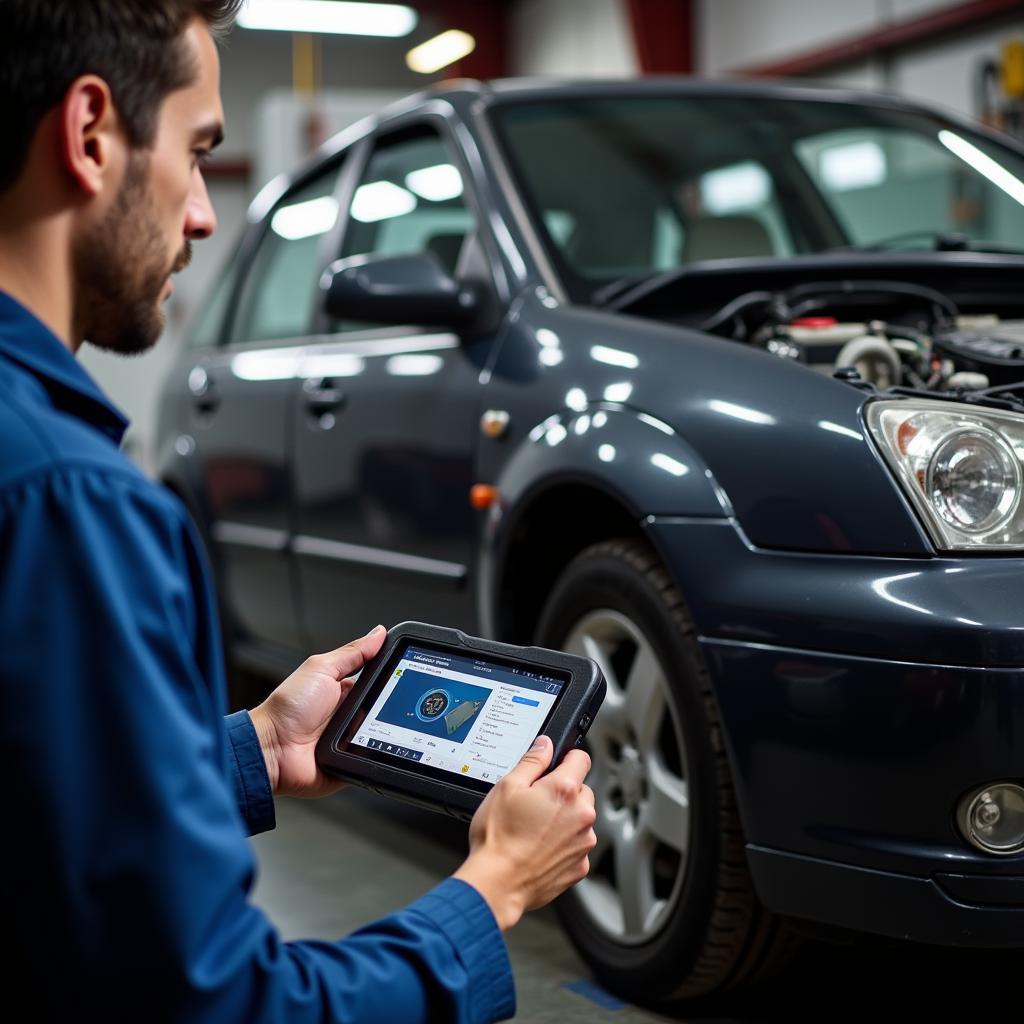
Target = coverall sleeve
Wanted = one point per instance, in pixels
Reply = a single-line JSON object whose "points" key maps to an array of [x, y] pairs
{"points": [[249, 780], [128, 887]]}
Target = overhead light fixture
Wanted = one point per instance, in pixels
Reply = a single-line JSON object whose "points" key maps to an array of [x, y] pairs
{"points": [[440, 51], [333, 17]]}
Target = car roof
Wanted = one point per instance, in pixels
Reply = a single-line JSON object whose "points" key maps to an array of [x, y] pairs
{"points": [[467, 91]]}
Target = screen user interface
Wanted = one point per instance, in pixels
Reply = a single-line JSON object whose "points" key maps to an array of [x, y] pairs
{"points": [[458, 713]]}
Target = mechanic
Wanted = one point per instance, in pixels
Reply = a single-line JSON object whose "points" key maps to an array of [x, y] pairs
{"points": [[126, 871]]}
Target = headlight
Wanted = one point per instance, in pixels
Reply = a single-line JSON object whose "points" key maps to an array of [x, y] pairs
{"points": [[959, 465]]}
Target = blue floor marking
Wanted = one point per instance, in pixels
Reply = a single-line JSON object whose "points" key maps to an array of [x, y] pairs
{"points": [[596, 994]]}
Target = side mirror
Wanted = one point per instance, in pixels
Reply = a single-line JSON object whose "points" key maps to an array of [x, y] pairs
{"points": [[413, 289]]}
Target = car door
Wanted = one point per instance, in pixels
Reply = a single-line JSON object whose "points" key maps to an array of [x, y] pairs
{"points": [[386, 420], [242, 394]]}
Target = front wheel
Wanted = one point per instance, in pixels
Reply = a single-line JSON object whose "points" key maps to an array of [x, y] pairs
{"points": [[668, 911]]}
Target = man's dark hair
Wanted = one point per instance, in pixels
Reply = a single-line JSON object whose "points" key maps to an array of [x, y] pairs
{"points": [[135, 46]]}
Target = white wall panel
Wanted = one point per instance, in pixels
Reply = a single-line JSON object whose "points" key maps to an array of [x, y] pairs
{"points": [[279, 135], [868, 76], [572, 39], [901, 9], [737, 33], [734, 34], [944, 73]]}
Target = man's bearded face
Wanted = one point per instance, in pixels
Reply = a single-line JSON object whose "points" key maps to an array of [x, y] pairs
{"points": [[121, 269]]}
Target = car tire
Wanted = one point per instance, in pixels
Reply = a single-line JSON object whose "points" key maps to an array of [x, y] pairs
{"points": [[668, 911]]}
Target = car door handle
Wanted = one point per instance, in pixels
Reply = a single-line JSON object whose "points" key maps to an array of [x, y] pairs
{"points": [[203, 390], [322, 396]]}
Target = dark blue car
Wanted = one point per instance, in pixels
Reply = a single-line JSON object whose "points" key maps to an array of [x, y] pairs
{"points": [[718, 385]]}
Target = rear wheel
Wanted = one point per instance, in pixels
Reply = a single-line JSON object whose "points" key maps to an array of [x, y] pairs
{"points": [[668, 911]]}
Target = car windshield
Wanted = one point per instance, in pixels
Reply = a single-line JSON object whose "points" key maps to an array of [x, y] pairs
{"points": [[627, 187]]}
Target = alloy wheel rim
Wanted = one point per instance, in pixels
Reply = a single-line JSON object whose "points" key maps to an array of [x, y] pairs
{"points": [[640, 784]]}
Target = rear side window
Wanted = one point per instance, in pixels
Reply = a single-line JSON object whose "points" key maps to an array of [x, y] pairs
{"points": [[280, 293]]}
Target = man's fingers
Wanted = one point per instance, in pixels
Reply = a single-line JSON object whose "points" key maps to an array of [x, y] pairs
{"points": [[574, 766], [534, 762], [351, 658]]}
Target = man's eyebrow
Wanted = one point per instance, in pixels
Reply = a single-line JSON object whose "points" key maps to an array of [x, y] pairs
{"points": [[213, 132]]}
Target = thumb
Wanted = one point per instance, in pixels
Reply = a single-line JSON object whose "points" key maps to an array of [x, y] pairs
{"points": [[350, 658], [534, 762]]}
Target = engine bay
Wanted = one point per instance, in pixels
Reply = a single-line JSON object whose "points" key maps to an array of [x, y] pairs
{"points": [[942, 323], [930, 346]]}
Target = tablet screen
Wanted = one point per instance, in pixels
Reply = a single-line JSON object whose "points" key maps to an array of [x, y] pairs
{"points": [[456, 713]]}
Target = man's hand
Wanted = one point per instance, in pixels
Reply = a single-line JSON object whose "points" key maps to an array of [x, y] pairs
{"points": [[532, 835], [290, 721]]}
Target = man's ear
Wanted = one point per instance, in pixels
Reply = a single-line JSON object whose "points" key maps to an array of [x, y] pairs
{"points": [[91, 136]]}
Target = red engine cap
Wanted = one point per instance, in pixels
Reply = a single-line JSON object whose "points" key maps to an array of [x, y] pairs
{"points": [[814, 321]]}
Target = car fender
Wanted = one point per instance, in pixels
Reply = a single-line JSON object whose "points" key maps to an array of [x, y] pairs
{"points": [[638, 461]]}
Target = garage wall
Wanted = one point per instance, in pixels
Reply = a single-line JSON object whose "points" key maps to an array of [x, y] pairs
{"points": [[256, 64], [735, 34], [571, 39], [944, 73]]}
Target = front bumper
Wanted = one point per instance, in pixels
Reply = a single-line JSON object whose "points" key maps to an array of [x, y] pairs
{"points": [[945, 909], [861, 699]]}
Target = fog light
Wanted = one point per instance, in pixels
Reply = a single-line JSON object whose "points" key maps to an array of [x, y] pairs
{"points": [[992, 819]]}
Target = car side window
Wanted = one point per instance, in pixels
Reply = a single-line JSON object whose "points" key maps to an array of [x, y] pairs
{"points": [[410, 199], [278, 300]]}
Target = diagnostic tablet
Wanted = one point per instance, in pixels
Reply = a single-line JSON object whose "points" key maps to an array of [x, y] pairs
{"points": [[437, 717]]}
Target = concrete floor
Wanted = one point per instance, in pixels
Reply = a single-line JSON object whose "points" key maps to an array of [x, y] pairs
{"points": [[332, 865]]}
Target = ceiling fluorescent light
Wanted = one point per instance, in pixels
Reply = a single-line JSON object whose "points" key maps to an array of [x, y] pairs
{"points": [[336, 17], [440, 51]]}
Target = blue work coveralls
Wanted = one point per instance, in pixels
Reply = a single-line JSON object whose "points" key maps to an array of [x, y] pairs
{"points": [[125, 871]]}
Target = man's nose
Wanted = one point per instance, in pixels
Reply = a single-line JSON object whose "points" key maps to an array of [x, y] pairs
{"points": [[200, 220]]}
